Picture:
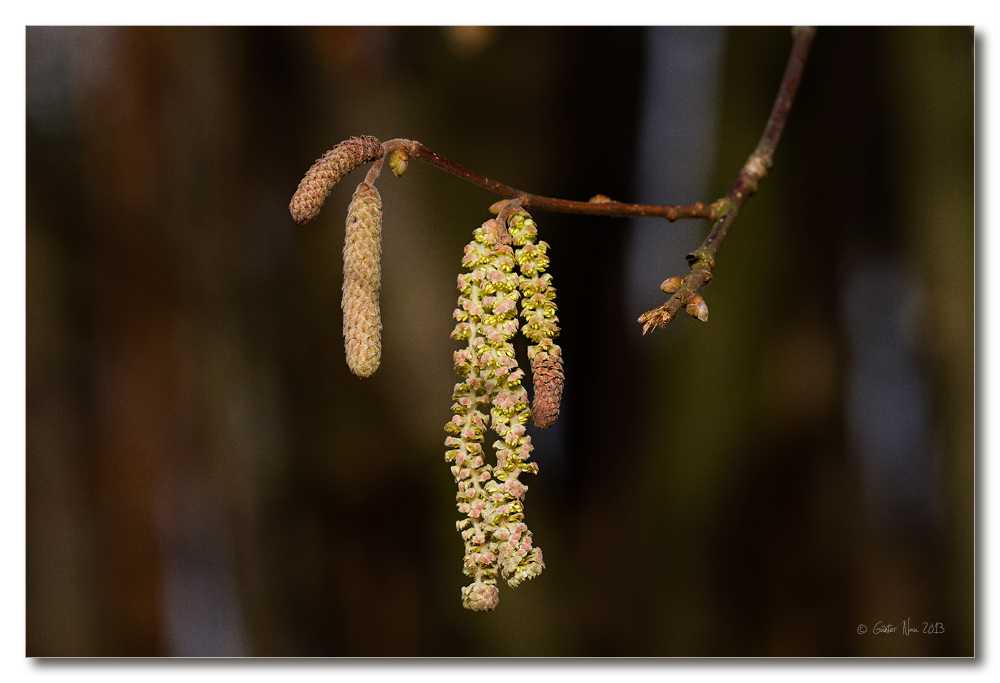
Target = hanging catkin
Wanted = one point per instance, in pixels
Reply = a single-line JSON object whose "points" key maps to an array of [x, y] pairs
{"points": [[547, 379], [328, 170], [362, 279], [541, 325]]}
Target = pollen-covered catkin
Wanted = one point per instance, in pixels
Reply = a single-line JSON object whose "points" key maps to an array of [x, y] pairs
{"points": [[362, 279], [541, 325], [328, 170], [490, 397]]}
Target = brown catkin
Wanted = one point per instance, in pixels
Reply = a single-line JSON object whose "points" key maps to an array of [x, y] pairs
{"points": [[362, 278], [328, 170], [547, 378]]}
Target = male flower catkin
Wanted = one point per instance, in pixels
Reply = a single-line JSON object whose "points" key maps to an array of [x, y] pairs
{"points": [[328, 170], [362, 278], [538, 308], [496, 537]]}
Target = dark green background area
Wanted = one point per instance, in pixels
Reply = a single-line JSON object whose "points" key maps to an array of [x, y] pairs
{"points": [[206, 476]]}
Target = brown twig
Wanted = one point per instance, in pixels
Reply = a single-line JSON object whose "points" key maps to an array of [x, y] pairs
{"points": [[594, 207], [702, 259]]}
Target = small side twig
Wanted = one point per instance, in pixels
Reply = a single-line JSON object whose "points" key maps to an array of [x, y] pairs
{"points": [[702, 259]]}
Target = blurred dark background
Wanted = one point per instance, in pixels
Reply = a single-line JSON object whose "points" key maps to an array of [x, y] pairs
{"points": [[206, 477]]}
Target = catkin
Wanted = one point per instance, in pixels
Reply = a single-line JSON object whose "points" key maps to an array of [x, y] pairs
{"points": [[328, 170], [362, 279], [541, 325], [490, 397], [547, 379]]}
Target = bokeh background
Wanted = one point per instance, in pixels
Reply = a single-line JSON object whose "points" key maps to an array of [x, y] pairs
{"points": [[206, 477]]}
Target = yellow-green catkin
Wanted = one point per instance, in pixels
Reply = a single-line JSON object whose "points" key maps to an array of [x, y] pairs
{"points": [[490, 396], [362, 279], [541, 326]]}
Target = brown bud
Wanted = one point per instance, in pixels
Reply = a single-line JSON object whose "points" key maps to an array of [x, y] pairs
{"points": [[600, 199], [697, 308], [548, 378], [672, 284], [328, 170], [362, 279]]}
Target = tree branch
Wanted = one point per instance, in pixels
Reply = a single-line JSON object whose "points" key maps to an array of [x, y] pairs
{"points": [[598, 206], [336, 163], [702, 259]]}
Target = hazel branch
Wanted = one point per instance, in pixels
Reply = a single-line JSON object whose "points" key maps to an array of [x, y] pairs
{"points": [[597, 206], [702, 260], [350, 154]]}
